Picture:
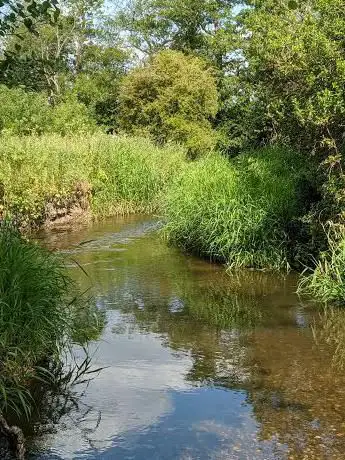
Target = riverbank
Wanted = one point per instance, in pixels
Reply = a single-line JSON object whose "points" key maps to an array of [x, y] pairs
{"points": [[238, 212], [49, 179], [243, 212], [42, 313], [246, 212]]}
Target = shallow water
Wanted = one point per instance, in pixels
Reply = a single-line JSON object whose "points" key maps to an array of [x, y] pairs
{"points": [[197, 364]]}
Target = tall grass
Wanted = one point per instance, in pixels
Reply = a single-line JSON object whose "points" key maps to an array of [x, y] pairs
{"points": [[237, 211], [326, 281], [117, 174], [38, 312]]}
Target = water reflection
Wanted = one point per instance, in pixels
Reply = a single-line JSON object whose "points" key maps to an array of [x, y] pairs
{"points": [[199, 364]]}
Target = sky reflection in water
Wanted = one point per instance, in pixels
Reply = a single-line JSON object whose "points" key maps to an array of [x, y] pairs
{"points": [[198, 364]]}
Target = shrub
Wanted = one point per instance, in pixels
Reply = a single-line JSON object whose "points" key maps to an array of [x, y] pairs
{"points": [[173, 97], [69, 117], [237, 212], [25, 113]]}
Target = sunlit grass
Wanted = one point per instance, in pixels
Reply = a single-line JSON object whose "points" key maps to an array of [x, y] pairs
{"points": [[40, 309], [117, 175], [326, 281], [237, 211]]}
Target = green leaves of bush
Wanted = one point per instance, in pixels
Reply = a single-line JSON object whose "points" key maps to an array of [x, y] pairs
{"points": [[29, 113], [173, 97]]}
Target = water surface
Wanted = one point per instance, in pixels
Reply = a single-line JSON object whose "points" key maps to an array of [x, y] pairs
{"points": [[197, 364]]}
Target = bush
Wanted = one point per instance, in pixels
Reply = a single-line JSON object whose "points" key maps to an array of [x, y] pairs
{"points": [[70, 117], [25, 113], [172, 98], [123, 174], [238, 212]]}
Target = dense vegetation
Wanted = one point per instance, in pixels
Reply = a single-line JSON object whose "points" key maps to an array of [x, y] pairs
{"points": [[226, 117], [39, 319], [210, 75], [47, 177], [163, 100], [240, 212]]}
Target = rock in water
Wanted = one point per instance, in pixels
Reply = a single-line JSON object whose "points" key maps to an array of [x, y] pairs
{"points": [[12, 443]]}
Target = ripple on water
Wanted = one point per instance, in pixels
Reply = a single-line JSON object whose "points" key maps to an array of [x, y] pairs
{"points": [[197, 364]]}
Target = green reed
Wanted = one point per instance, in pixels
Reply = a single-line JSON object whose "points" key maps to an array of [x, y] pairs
{"points": [[118, 175], [326, 281], [38, 318], [237, 211]]}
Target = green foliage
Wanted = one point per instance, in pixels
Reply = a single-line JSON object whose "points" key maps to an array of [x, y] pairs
{"points": [[70, 116], [124, 175], [327, 280], [97, 82], [38, 62], [277, 78], [39, 306], [23, 113], [81, 42], [295, 65], [33, 291], [132, 175], [203, 27], [29, 113], [172, 98], [14, 12], [238, 212]]}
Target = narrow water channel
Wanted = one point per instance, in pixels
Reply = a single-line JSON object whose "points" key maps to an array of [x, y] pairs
{"points": [[196, 364]]}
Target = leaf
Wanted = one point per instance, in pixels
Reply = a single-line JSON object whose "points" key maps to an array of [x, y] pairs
{"points": [[28, 23], [45, 6], [293, 5]]}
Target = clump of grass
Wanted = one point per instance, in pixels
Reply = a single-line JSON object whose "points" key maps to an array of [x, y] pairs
{"points": [[326, 282], [37, 317], [237, 211], [133, 175], [123, 174]]}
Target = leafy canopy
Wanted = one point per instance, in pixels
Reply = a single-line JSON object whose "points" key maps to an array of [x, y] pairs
{"points": [[172, 97]]}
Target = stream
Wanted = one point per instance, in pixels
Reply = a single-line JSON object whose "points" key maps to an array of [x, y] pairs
{"points": [[196, 363]]}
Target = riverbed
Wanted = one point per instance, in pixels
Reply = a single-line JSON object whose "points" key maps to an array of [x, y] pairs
{"points": [[196, 363]]}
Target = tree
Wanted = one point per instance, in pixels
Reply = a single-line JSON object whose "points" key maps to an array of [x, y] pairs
{"points": [[98, 81], [172, 97], [55, 49], [14, 13], [295, 64], [203, 27], [41, 60], [79, 53]]}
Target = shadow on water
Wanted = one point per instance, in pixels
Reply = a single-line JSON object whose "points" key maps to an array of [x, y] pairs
{"points": [[198, 364]]}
